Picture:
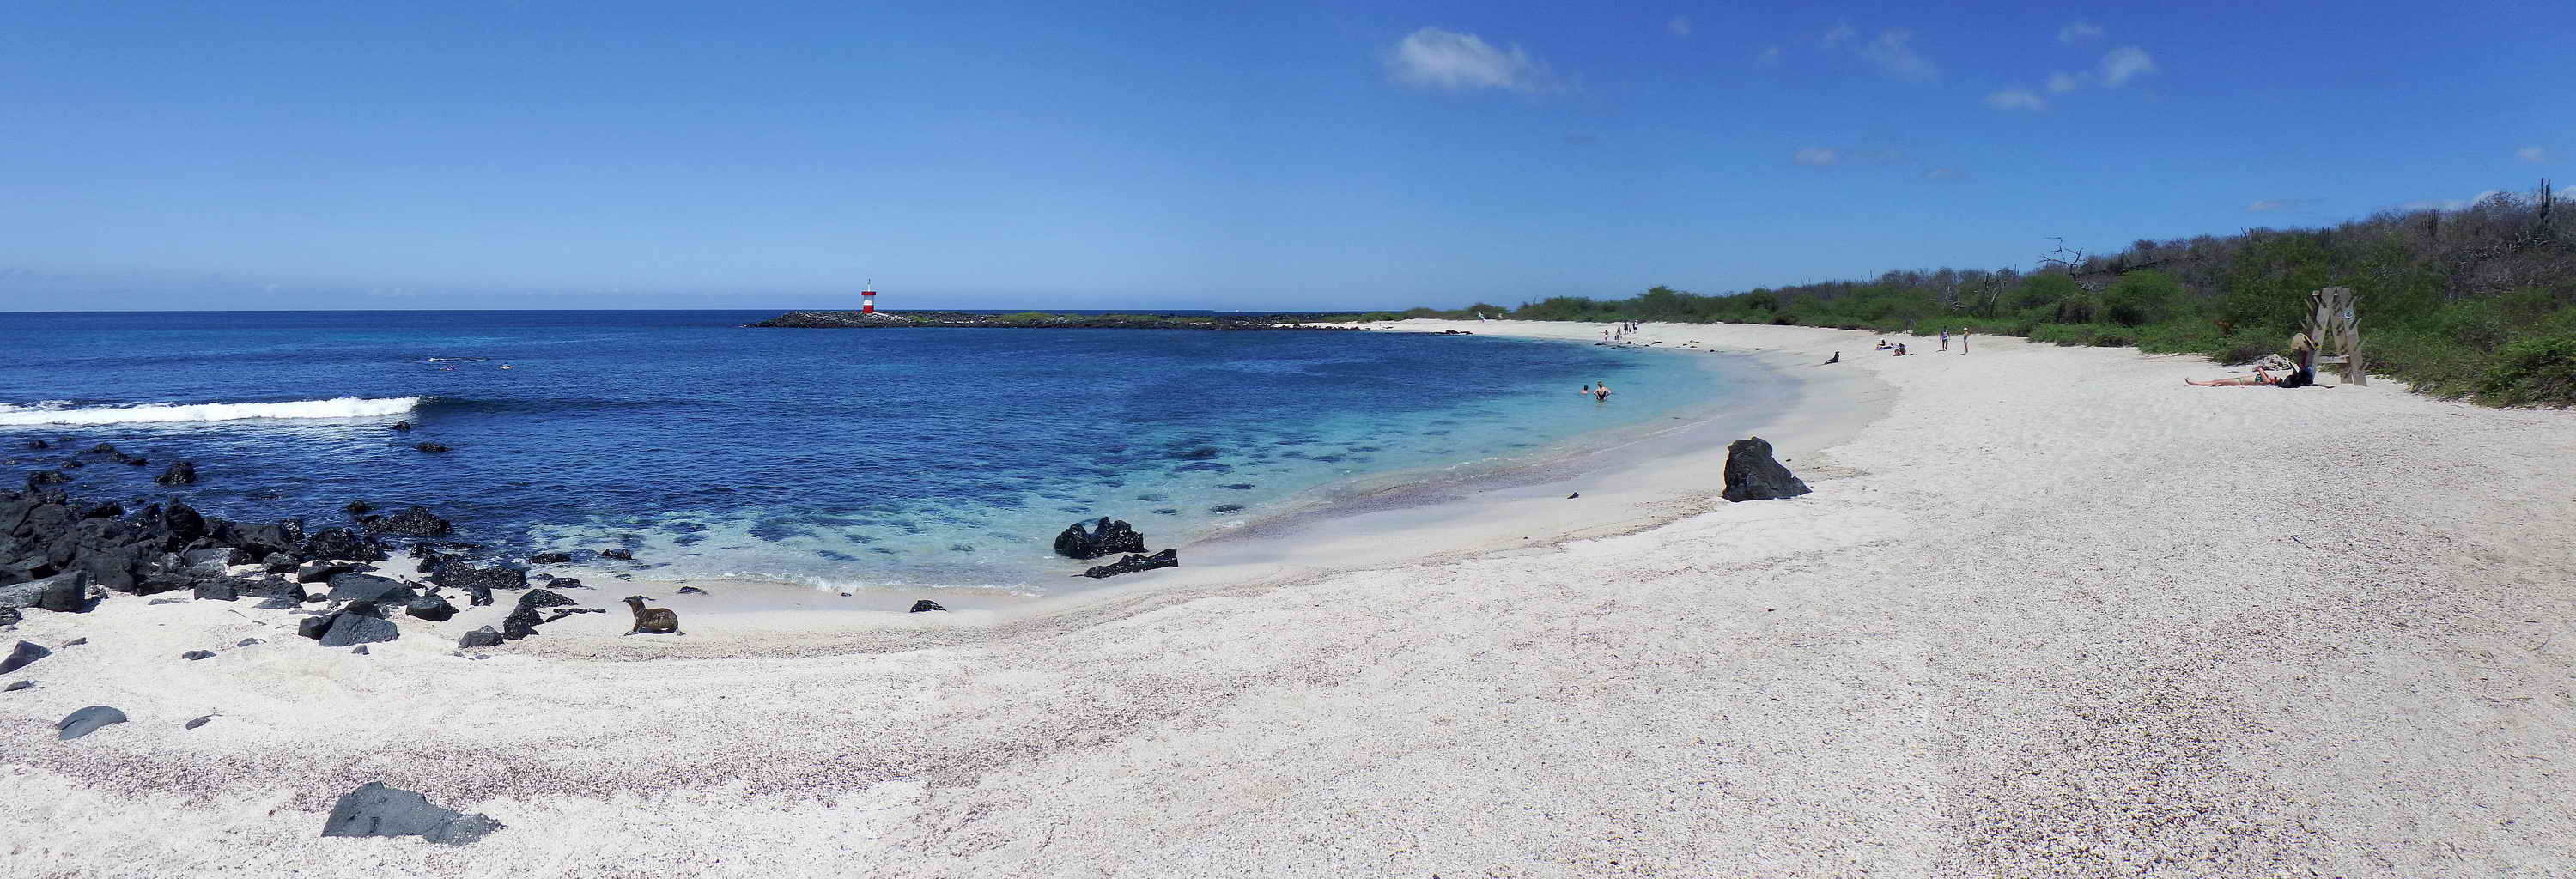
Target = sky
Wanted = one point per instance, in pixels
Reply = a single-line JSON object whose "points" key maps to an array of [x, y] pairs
{"points": [[958, 154]]}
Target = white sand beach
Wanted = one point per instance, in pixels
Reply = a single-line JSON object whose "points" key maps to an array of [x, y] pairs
{"points": [[2048, 612]]}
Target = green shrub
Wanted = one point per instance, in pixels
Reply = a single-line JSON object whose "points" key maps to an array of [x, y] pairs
{"points": [[2532, 372], [2140, 298]]}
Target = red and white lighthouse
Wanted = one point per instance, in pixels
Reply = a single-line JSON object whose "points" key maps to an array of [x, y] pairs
{"points": [[868, 301]]}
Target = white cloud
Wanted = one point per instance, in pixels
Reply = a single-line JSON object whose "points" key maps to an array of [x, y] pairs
{"points": [[2061, 83], [1842, 30], [1895, 54], [1816, 156], [2532, 154], [1680, 26], [2079, 32], [2016, 99], [1437, 59], [1768, 55], [2121, 64], [2268, 205]]}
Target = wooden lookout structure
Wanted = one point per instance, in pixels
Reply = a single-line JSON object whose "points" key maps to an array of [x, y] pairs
{"points": [[2334, 333]]}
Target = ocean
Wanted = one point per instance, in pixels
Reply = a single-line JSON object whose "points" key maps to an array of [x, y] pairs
{"points": [[841, 459]]}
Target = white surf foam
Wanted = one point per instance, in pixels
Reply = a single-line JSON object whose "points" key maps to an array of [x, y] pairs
{"points": [[337, 407]]}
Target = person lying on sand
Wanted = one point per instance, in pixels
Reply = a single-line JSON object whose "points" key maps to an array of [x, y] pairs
{"points": [[1900, 349], [2258, 379]]}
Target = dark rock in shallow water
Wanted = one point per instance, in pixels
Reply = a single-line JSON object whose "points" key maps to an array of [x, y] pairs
{"points": [[47, 477], [109, 510], [483, 637], [431, 608], [1170, 558], [102, 449], [357, 508], [414, 522], [262, 539], [352, 628], [401, 425], [181, 473], [131, 460], [88, 720], [1226, 508], [432, 448], [25, 654], [1106, 537], [377, 810], [341, 544], [202, 721], [620, 554], [38, 444], [925, 606], [198, 654], [1752, 474], [550, 558], [691, 590]]}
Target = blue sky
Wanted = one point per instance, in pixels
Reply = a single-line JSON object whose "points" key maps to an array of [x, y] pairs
{"points": [[558, 155]]}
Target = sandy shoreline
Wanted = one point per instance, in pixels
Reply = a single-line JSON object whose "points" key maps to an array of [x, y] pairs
{"points": [[2044, 615]]}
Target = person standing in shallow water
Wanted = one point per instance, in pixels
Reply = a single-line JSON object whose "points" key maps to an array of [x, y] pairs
{"points": [[1601, 392]]}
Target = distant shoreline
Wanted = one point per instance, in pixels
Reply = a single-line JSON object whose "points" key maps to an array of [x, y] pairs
{"points": [[855, 320]]}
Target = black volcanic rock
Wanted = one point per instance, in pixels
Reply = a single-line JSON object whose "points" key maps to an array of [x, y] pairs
{"points": [[483, 637], [414, 522], [1170, 558], [356, 628], [925, 606], [432, 448], [550, 558], [181, 473], [618, 553], [87, 720], [341, 544], [25, 654], [1107, 537], [1752, 474], [376, 810], [431, 608]]}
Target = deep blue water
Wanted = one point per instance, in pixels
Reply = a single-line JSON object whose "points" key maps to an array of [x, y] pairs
{"points": [[846, 458]]}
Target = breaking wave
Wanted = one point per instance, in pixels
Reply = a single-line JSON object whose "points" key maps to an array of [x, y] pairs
{"points": [[338, 407]]}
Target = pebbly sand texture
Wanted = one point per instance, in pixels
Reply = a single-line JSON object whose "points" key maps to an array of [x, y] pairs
{"points": [[2049, 612]]}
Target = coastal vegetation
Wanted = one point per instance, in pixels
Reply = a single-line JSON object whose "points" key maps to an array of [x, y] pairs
{"points": [[2476, 303]]}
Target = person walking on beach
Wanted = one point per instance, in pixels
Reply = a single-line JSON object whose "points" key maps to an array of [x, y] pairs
{"points": [[1963, 340], [1945, 338]]}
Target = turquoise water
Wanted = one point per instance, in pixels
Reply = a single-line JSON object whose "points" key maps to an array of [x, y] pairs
{"points": [[839, 458]]}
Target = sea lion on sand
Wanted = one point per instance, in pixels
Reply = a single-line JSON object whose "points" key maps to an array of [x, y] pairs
{"points": [[652, 621]]}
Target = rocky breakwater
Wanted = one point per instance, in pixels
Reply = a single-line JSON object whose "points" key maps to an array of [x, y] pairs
{"points": [[1086, 541], [841, 320]]}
